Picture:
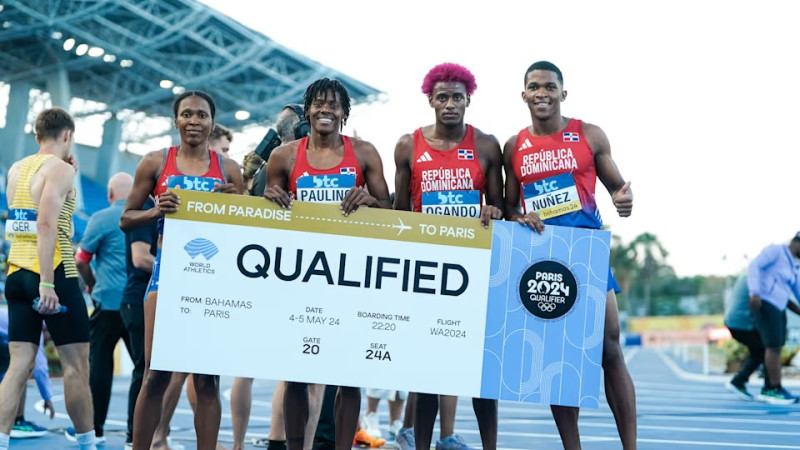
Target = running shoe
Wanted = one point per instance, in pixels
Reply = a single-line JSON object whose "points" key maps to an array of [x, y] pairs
{"points": [[777, 396], [25, 429], [405, 439], [69, 433], [452, 442], [370, 424], [363, 439], [740, 391], [395, 428]]}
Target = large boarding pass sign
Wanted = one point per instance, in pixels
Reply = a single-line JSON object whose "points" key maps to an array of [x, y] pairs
{"points": [[381, 298]]}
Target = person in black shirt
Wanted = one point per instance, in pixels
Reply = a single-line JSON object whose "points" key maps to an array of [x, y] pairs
{"points": [[140, 252]]}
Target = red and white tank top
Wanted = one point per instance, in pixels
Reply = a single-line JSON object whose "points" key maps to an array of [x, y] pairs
{"points": [[447, 182], [172, 177], [557, 176], [308, 184]]}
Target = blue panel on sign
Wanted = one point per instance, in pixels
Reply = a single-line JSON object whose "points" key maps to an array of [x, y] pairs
{"points": [[545, 316]]}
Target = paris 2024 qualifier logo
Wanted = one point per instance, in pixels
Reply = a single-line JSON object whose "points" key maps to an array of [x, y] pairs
{"points": [[548, 289]]}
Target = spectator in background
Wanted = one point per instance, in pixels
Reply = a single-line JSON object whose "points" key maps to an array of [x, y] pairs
{"points": [[220, 139], [140, 252], [772, 278], [252, 162], [104, 239], [739, 321], [24, 428]]}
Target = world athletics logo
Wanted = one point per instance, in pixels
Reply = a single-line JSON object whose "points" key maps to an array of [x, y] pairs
{"points": [[201, 246]]}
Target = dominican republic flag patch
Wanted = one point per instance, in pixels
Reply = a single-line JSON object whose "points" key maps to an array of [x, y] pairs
{"points": [[347, 171], [466, 153], [571, 137]]}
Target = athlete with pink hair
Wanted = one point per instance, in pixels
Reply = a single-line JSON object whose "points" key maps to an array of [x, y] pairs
{"points": [[473, 163]]}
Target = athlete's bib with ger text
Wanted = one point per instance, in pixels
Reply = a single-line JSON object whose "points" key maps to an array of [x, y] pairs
{"points": [[551, 197], [21, 224]]}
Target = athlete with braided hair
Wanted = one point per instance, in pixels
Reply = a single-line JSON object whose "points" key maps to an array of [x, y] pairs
{"points": [[326, 152]]}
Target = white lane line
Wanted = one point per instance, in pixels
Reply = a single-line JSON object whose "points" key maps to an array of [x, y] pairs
{"points": [[640, 426], [586, 438], [748, 420], [682, 374], [715, 444]]}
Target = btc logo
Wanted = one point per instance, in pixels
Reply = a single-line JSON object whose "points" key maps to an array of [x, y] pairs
{"points": [[544, 186], [325, 182], [450, 198]]}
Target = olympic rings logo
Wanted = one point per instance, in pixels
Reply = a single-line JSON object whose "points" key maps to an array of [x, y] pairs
{"points": [[547, 307]]}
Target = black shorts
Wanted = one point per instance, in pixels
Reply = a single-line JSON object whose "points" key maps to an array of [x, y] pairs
{"points": [[771, 325], [25, 323], [5, 359]]}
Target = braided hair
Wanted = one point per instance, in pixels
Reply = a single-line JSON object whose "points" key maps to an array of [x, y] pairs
{"points": [[321, 88]]}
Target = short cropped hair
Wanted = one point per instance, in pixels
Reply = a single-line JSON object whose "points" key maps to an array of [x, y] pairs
{"points": [[449, 72], [51, 122], [205, 96], [220, 131], [544, 65], [285, 125]]}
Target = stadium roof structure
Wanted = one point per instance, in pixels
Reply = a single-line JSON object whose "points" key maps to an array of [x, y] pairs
{"points": [[137, 54]]}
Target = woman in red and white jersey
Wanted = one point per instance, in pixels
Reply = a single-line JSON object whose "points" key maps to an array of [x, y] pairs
{"points": [[189, 165]]}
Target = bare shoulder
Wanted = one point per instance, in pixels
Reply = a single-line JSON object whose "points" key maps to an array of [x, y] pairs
{"points": [[405, 145], [406, 140], [485, 140], [229, 164], [595, 136], [363, 148], [57, 166], [284, 152], [58, 171], [14, 169], [153, 160], [510, 142]]}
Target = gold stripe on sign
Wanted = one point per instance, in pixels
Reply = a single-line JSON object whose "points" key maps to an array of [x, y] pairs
{"points": [[328, 219]]}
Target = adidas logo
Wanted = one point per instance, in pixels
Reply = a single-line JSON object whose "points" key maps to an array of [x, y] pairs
{"points": [[425, 157], [526, 144]]}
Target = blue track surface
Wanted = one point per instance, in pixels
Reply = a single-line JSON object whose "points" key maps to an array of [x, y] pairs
{"points": [[676, 410]]}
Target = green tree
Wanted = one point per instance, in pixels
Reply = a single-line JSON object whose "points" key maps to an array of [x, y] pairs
{"points": [[650, 257]]}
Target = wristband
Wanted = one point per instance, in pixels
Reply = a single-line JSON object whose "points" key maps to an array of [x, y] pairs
{"points": [[48, 285]]}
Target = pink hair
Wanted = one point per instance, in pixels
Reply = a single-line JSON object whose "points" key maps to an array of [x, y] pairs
{"points": [[449, 72]]}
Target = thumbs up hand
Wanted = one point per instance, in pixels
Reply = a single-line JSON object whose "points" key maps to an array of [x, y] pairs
{"points": [[623, 200]]}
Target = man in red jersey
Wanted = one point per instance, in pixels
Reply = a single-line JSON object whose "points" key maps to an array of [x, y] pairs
{"points": [[565, 156], [449, 168], [357, 168]]}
